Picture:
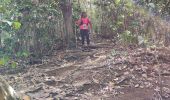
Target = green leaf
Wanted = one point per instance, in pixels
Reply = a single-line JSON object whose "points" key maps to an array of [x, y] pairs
{"points": [[5, 2], [117, 2], [129, 4], [25, 54], [152, 5], [14, 64], [119, 23], [4, 35], [16, 25], [4, 61], [18, 54], [2, 9], [8, 22]]}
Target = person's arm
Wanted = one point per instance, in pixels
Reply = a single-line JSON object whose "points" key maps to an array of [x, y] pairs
{"points": [[90, 26]]}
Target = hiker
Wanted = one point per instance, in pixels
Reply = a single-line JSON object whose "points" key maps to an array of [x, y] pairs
{"points": [[83, 24]]}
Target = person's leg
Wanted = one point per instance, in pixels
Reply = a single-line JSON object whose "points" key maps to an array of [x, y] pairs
{"points": [[87, 37], [82, 36]]}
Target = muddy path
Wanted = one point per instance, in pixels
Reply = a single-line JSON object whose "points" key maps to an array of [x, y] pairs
{"points": [[107, 72]]}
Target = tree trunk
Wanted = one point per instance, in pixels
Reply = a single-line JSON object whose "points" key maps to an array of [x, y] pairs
{"points": [[66, 8], [0, 40]]}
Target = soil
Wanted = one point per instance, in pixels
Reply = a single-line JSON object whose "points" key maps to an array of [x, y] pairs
{"points": [[107, 72]]}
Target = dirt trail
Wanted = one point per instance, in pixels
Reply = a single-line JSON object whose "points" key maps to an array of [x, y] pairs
{"points": [[106, 73]]}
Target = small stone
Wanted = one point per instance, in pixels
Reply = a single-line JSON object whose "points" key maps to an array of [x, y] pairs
{"points": [[166, 95], [144, 75], [126, 73], [53, 77], [133, 77], [147, 84], [141, 86], [131, 70], [137, 85], [144, 68], [150, 79], [124, 67], [116, 79]]}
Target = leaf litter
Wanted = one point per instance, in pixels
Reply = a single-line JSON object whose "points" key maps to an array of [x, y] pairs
{"points": [[104, 73]]}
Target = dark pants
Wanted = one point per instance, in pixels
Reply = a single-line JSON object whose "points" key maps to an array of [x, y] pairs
{"points": [[84, 36]]}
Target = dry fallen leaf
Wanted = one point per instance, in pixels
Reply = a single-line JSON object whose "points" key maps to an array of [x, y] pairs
{"points": [[26, 97]]}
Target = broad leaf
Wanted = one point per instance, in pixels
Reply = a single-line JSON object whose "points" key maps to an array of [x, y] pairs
{"points": [[117, 2], [4, 61], [8, 22], [16, 25]]}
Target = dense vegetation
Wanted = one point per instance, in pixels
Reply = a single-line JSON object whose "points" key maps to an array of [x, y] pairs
{"points": [[33, 28]]}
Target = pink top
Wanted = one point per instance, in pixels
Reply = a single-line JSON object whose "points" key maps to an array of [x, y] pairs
{"points": [[85, 24]]}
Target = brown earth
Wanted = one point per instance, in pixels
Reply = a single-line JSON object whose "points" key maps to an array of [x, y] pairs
{"points": [[107, 72]]}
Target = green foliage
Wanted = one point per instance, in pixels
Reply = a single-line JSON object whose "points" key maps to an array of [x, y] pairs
{"points": [[142, 40], [114, 53], [9, 27], [117, 2], [16, 25], [4, 60], [23, 54], [158, 6], [2, 9], [129, 4], [14, 64], [127, 37]]}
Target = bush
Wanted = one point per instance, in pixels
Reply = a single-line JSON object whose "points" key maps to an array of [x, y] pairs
{"points": [[128, 38]]}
